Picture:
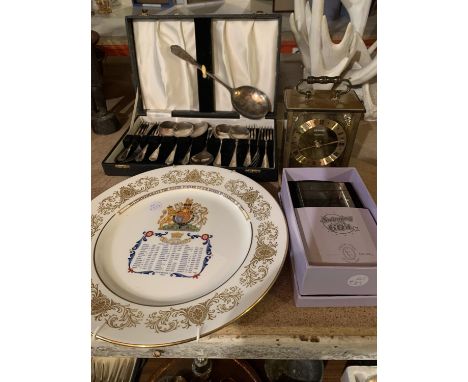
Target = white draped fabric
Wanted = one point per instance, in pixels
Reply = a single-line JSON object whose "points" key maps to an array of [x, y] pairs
{"points": [[241, 56]]}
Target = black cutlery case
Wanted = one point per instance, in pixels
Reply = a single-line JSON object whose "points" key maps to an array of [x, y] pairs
{"points": [[241, 49]]}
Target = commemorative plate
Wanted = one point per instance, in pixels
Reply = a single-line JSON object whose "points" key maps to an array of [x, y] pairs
{"points": [[181, 251]]}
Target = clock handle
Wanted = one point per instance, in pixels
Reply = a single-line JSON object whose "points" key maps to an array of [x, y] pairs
{"points": [[325, 80]]}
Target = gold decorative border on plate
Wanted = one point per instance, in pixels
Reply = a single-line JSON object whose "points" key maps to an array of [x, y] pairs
{"points": [[124, 193], [172, 319], [115, 315], [267, 243], [96, 221], [257, 205], [119, 197], [211, 178]]}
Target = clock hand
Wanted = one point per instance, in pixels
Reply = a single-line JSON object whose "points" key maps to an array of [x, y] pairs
{"points": [[328, 143], [317, 146]]}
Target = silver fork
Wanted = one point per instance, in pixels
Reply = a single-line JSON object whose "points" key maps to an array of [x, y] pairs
{"points": [[256, 156], [268, 136], [123, 155], [138, 149], [248, 158], [142, 153]]}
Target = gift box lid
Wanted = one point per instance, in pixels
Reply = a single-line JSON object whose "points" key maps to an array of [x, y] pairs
{"points": [[241, 49]]}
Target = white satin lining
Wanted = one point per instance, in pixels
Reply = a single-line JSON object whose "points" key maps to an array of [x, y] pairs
{"points": [[244, 53], [166, 82]]}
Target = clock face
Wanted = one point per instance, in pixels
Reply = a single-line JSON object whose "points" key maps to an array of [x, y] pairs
{"points": [[318, 142]]}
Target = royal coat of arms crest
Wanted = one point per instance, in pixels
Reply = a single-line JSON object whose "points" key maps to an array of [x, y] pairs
{"points": [[183, 216]]}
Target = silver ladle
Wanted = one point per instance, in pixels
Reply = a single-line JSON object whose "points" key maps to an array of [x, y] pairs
{"points": [[182, 129], [247, 100], [198, 130]]}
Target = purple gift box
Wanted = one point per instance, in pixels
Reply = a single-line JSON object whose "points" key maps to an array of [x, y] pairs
{"points": [[328, 285]]}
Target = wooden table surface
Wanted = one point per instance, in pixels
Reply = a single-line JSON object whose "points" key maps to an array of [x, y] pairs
{"points": [[275, 327]]}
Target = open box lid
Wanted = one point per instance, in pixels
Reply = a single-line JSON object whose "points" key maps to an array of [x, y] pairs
{"points": [[241, 49]]}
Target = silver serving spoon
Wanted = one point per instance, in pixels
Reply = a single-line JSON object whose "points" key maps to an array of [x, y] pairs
{"points": [[247, 100], [203, 157], [237, 132], [221, 132], [198, 130], [166, 129], [182, 129]]}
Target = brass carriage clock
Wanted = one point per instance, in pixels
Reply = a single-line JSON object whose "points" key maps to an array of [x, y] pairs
{"points": [[321, 124]]}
